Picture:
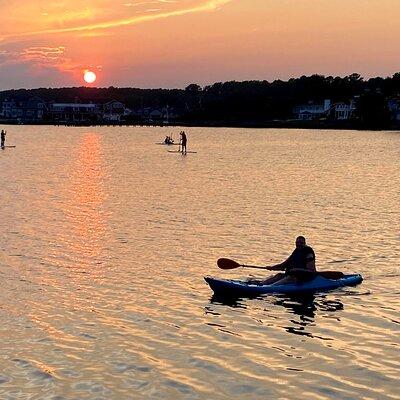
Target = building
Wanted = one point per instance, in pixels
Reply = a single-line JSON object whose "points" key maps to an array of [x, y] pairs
{"points": [[337, 111], [343, 111], [11, 109], [74, 113], [312, 111], [31, 110], [394, 109], [114, 111]]}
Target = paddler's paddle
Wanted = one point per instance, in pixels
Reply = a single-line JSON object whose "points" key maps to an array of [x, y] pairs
{"points": [[226, 263]]}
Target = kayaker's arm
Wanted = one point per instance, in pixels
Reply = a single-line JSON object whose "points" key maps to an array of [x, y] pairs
{"points": [[310, 265], [280, 267]]}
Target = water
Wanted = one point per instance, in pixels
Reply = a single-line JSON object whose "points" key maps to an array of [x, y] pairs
{"points": [[106, 237]]}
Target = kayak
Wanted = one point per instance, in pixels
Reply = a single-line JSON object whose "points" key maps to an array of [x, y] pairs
{"points": [[318, 284]]}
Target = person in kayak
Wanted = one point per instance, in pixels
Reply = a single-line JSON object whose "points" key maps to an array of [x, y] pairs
{"points": [[299, 267]]}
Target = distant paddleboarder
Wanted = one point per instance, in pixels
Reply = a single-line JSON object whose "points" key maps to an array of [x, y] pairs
{"points": [[183, 142], [3, 138]]}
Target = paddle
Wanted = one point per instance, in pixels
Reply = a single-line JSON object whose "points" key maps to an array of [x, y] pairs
{"points": [[226, 263]]}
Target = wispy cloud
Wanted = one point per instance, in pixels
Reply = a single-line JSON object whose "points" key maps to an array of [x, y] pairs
{"points": [[43, 54], [204, 6], [42, 58]]}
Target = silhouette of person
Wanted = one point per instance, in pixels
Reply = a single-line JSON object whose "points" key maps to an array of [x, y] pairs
{"points": [[299, 266], [3, 138], [168, 140], [183, 142]]}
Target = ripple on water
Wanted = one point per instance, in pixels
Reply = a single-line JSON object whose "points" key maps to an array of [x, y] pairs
{"points": [[105, 248]]}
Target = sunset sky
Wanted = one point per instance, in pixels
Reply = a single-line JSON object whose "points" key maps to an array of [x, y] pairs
{"points": [[172, 43]]}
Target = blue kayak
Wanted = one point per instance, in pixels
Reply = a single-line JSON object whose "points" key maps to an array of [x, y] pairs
{"points": [[318, 284]]}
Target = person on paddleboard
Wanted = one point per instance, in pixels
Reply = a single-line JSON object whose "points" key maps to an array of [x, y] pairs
{"points": [[183, 142], [300, 266], [3, 138]]}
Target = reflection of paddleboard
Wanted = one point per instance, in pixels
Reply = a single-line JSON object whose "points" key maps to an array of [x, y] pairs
{"points": [[3, 147], [178, 151]]}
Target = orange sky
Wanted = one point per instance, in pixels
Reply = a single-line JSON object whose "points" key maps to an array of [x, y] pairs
{"points": [[172, 43]]}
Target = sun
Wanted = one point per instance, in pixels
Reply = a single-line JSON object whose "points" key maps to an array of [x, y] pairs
{"points": [[89, 76]]}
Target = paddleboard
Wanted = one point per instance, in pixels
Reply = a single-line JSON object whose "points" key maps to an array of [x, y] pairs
{"points": [[178, 151], [169, 144], [9, 147]]}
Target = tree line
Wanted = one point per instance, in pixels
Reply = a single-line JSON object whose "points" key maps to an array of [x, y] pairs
{"points": [[246, 102]]}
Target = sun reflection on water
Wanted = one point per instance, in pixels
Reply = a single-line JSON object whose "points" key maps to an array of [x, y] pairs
{"points": [[85, 205]]}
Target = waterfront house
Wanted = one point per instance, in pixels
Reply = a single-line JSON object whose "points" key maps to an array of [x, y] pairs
{"points": [[11, 109], [394, 109], [31, 110], [336, 111], [74, 113], [343, 111], [312, 111], [114, 111]]}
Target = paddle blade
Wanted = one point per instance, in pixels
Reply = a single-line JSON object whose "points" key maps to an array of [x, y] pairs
{"points": [[226, 263]]}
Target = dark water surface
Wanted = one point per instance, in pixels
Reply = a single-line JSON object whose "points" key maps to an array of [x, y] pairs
{"points": [[106, 237]]}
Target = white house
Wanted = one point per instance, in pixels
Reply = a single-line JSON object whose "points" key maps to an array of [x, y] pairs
{"points": [[113, 111], [343, 111], [311, 111], [337, 111]]}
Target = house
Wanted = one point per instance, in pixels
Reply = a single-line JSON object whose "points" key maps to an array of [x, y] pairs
{"points": [[343, 111], [74, 112], [11, 109], [337, 111], [156, 115], [31, 110], [394, 109], [311, 111], [114, 111]]}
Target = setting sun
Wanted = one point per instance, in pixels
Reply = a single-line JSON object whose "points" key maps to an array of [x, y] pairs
{"points": [[89, 76]]}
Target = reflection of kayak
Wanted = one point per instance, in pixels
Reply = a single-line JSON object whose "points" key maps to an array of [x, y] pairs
{"points": [[318, 284]]}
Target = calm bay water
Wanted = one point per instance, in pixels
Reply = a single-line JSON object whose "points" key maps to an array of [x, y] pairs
{"points": [[106, 237]]}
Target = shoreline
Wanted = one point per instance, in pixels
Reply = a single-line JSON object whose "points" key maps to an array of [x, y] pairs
{"points": [[290, 124]]}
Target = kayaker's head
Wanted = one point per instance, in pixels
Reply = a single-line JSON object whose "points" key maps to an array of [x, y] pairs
{"points": [[300, 242]]}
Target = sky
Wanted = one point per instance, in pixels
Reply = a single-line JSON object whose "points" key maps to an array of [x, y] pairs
{"points": [[173, 43]]}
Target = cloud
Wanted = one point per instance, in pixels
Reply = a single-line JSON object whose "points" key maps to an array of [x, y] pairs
{"points": [[42, 38], [90, 19], [37, 60], [43, 54]]}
